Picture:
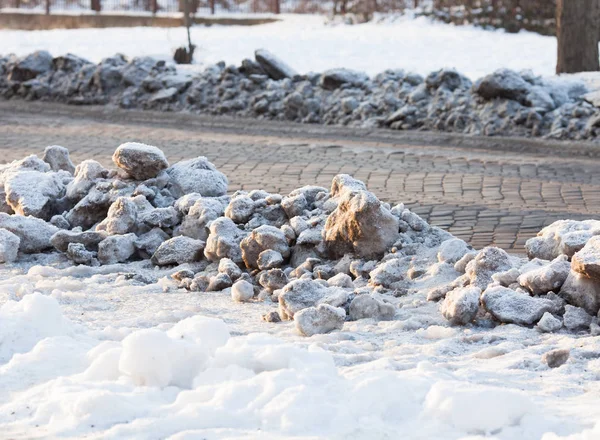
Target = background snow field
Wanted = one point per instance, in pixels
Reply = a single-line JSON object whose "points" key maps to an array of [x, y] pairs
{"points": [[88, 353], [307, 44]]}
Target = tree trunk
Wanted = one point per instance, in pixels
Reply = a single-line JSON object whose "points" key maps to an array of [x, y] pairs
{"points": [[577, 34]]}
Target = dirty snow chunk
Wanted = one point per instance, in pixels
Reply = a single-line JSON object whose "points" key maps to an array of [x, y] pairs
{"points": [[197, 176], [298, 295], [161, 217], [576, 318], [341, 280], [321, 319], [260, 239], [539, 99], [150, 241], [272, 316], [31, 66], [230, 268], [224, 241], [387, 274], [413, 220], [274, 67], [121, 217], [549, 323], [140, 161], [200, 214], [33, 193], [503, 83], [587, 260], [507, 278], [547, 278], [90, 239], [581, 291], [366, 306], [240, 209], [335, 78], [360, 224], [185, 203], [294, 206], [461, 305], [60, 222], [561, 237], [343, 183], [461, 265], [452, 250], [310, 236], [9, 246], [509, 306], [219, 282], [116, 248], [79, 254], [556, 358], [273, 279], [242, 291], [58, 159], [476, 408], [336, 297], [86, 175], [164, 95], [269, 259], [178, 250], [34, 233], [449, 79], [487, 262]]}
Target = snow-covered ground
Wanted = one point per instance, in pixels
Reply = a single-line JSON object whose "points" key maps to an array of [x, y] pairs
{"points": [[307, 43], [95, 355]]}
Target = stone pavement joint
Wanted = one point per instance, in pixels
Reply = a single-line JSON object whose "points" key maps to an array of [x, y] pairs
{"points": [[483, 195]]}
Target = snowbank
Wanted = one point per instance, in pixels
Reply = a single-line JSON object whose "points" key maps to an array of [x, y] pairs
{"points": [[504, 102], [310, 45]]}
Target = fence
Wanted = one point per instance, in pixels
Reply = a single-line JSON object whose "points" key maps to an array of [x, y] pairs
{"points": [[170, 6], [364, 7]]}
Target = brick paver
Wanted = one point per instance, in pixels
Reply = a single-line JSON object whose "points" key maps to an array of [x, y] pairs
{"points": [[491, 193]]}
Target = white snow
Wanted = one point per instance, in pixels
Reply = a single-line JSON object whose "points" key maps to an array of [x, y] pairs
{"points": [[92, 354], [307, 43]]}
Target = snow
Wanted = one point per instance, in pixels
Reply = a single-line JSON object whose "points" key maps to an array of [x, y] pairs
{"points": [[307, 43], [89, 353]]}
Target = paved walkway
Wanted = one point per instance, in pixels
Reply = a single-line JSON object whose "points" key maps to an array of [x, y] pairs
{"points": [[483, 190]]}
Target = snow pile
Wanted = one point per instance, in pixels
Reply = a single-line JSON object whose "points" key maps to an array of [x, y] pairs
{"points": [[502, 103], [194, 379], [322, 257]]}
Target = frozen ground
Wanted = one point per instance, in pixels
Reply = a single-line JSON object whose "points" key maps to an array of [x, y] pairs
{"points": [[308, 44], [96, 355]]}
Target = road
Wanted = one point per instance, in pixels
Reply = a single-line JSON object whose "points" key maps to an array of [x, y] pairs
{"points": [[484, 190]]}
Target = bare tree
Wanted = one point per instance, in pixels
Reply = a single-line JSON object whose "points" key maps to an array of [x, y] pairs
{"points": [[185, 55], [577, 33]]}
